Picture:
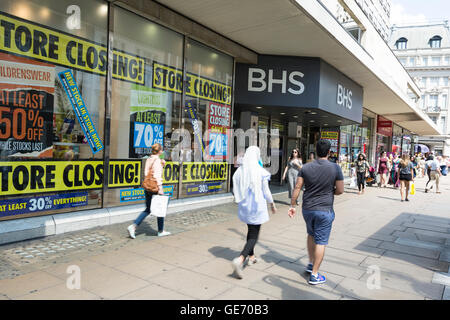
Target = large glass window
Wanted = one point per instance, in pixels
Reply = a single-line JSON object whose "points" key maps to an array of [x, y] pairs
{"points": [[145, 110], [207, 116], [52, 95]]}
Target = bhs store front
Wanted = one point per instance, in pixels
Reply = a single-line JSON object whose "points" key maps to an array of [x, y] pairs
{"points": [[295, 101]]}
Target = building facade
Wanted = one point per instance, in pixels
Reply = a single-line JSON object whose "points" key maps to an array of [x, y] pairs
{"points": [[377, 11], [424, 50], [86, 88]]}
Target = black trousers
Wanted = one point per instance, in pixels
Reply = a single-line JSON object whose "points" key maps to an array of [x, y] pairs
{"points": [[361, 178], [252, 238]]}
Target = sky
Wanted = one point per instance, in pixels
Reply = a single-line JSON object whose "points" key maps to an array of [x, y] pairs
{"points": [[419, 11]]}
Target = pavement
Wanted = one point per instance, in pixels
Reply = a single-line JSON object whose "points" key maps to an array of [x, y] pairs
{"points": [[380, 248]]}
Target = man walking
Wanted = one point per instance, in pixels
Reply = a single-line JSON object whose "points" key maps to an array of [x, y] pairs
{"points": [[433, 167], [322, 180]]}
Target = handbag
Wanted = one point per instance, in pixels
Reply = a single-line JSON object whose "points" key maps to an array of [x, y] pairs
{"points": [[413, 189], [150, 184]]}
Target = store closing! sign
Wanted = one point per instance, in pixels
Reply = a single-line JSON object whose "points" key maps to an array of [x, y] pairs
{"points": [[54, 176], [171, 79], [195, 172], [29, 39]]}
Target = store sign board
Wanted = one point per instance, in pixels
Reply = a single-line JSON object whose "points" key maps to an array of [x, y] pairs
{"points": [[384, 126], [298, 82]]}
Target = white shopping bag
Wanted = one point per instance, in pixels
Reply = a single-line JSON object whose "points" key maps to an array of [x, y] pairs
{"points": [[159, 205], [353, 182]]}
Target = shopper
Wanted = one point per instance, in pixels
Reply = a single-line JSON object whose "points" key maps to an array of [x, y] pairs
{"points": [[406, 175], [322, 180], [251, 192], [292, 169], [428, 171], [362, 172], [155, 163], [311, 158], [435, 172], [383, 169]]}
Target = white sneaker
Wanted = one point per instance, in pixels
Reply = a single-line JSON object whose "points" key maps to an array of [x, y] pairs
{"points": [[163, 234], [237, 267], [131, 231]]}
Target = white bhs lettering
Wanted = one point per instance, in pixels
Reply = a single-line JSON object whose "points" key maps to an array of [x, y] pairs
{"points": [[344, 97], [256, 75]]}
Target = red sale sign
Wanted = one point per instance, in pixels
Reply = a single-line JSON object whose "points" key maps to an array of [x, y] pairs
{"points": [[218, 120]]}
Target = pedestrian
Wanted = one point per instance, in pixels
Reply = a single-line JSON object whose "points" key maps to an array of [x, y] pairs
{"points": [[428, 171], [322, 180], [406, 175], [251, 192], [333, 157], [292, 169], [362, 172], [311, 158], [435, 172], [383, 169], [155, 163]]}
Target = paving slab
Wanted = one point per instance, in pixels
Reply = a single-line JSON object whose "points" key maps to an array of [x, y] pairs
{"points": [[410, 284], [360, 290], [239, 293], [144, 268], [155, 292], [427, 263], [287, 289], [419, 244], [427, 253], [60, 292], [28, 283], [108, 283], [191, 283]]}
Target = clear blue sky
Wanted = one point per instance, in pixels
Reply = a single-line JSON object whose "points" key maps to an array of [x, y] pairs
{"points": [[416, 11]]}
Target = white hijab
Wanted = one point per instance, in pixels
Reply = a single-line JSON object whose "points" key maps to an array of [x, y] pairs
{"points": [[249, 175]]}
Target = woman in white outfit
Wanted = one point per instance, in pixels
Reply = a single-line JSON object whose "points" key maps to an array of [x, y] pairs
{"points": [[251, 192]]}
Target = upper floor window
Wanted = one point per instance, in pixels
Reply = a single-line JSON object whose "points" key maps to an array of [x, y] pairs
{"points": [[435, 42], [401, 43]]}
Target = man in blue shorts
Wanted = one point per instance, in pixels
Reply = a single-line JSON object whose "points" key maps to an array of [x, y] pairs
{"points": [[322, 180]]}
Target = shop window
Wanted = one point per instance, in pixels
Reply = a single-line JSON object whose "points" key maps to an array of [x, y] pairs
{"points": [[52, 142], [145, 110], [207, 116]]}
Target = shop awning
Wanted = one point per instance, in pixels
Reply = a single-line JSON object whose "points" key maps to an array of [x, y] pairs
{"points": [[306, 28]]}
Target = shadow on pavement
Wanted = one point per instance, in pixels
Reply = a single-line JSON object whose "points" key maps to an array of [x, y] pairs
{"points": [[420, 240]]}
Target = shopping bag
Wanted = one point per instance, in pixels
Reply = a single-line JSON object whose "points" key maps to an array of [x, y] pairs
{"points": [[353, 183], [412, 191], [159, 205]]}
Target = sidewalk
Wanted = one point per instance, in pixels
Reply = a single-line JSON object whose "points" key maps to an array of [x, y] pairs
{"points": [[409, 243]]}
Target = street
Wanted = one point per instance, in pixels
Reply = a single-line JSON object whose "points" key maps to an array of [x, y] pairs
{"points": [[380, 248]]}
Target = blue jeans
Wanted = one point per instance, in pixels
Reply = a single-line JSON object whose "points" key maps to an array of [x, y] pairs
{"points": [[144, 214], [318, 224]]}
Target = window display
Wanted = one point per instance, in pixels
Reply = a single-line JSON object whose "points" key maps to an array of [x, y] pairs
{"points": [[52, 95]]}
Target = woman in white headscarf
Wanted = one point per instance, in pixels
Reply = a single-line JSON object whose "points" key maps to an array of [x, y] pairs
{"points": [[251, 192]]}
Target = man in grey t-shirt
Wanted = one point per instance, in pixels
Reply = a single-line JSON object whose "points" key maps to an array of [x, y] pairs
{"points": [[322, 180]]}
